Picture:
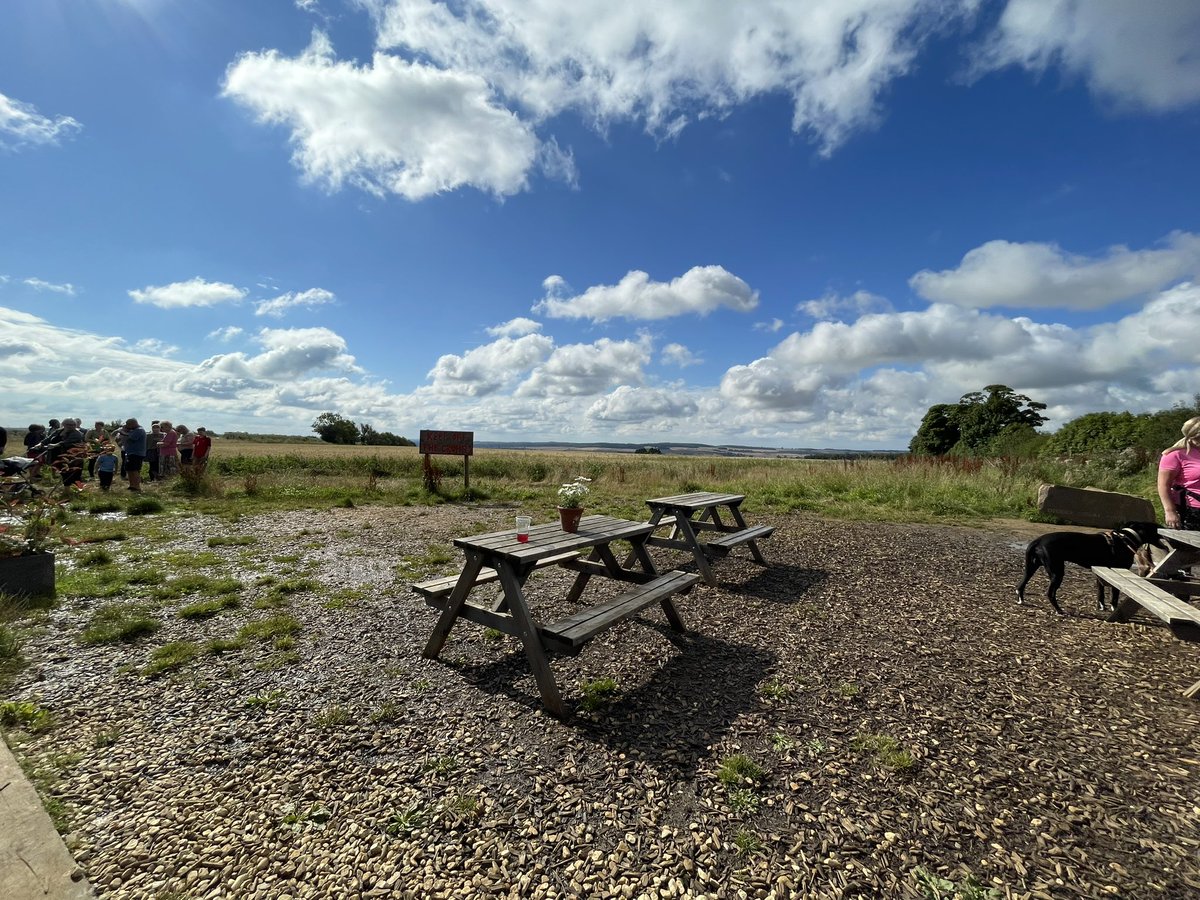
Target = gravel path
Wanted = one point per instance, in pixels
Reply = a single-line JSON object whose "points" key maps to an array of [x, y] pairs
{"points": [[914, 727]]}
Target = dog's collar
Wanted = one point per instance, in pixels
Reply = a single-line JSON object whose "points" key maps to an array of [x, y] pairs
{"points": [[1131, 538]]}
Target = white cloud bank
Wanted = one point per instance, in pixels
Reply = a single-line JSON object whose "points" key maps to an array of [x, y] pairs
{"points": [[278, 306], [185, 294], [21, 125], [698, 291]]}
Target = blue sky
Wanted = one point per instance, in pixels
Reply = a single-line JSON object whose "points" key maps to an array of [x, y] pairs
{"points": [[783, 223]]}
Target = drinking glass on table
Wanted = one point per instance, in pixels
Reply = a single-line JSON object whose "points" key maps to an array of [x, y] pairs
{"points": [[523, 523]]}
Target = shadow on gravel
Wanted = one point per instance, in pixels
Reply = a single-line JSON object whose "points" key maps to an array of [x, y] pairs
{"points": [[780, 582], [685, 706]]}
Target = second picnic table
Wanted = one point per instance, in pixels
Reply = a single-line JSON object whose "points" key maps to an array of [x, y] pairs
{"points": [[700, 511], [500, 556]]}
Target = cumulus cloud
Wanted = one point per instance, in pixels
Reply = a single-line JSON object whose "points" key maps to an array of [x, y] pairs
{"points": [[393, 126], [155, 347], [183, 294], [21, 125], [580, 370], [226, 334], [1135, 55], [770, 327], [835, 306], [518, 327], [38, 285], [277, 306], [679, 355], [642, 406], [1001, 273], [487, 369], [698, 291]]}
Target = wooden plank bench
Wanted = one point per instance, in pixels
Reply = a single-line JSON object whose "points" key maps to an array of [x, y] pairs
{"points": [[570, 634], [440, 588], [1181, 617], [725, 543]]}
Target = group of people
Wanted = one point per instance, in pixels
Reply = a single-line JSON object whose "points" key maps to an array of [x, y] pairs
{"points": [[163, 451]]}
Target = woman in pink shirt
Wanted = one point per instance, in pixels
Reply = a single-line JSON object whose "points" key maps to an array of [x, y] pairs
{"points": [[1179, 479], [168, 451]]}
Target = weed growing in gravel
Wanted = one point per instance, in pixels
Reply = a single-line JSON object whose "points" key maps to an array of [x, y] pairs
{"points": [[887, 752], [493, 635], [278, 661], [10, 651], [204, 609], [45, 777], [597, 693], [332, 716], [738, 768], [217, 646], [269, 629], [188, 559], [935, 887], [232, 540], [269, 700], [169, 657], [429, 563], [195, 583], [742, 800], [119, 622], [815, 747], [781, 742], [100, 582], [145, 506], [421, 685], [848, 690], [385, 713], [106, 737], [97, 557], [344, 598], [746, 842], [440, 765], [286, 558], [465, 806], [313, 818], [405, 820], [25, 715], [775, 689]]}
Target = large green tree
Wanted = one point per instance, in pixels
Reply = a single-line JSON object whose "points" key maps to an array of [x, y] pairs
{"points": [[335, 429], [995, 414]]}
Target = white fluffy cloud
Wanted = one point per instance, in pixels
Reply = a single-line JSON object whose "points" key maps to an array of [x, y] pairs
{"points": [[698, 291], [582, 370], [1138, 55], [513, 328], [487, 369], [22, 125], [679, 355], [642, 406], [1001, 273], [277, 306], [835, 306], [183, 294], [393, 126], [226, 334]]}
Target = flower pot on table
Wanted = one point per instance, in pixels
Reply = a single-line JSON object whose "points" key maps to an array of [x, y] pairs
{"points": [[569, 517]]}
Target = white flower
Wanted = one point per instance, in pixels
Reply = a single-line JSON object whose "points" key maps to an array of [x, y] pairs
{"points": [[570, 496]]}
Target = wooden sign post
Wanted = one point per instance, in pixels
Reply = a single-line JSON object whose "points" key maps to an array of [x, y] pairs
{"points": [[450, 443]]}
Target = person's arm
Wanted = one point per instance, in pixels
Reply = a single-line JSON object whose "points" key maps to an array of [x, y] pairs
{"points": [[1166, 480]]}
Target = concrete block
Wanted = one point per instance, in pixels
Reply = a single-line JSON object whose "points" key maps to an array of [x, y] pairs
{"points": [[1088, 506]]}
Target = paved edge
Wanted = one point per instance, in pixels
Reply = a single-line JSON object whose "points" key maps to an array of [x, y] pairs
{"points": [[34, 862]]}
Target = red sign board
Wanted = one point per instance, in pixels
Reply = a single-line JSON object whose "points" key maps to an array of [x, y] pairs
{"points": [[447, 443]]}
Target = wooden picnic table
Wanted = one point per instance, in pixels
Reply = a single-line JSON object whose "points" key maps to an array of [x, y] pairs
{"points": [[689, 515], [500, 557], [1184, 551]]}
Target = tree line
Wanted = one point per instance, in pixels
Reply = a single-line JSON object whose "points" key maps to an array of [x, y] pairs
{"points": [[999, 422], [337, 429]]}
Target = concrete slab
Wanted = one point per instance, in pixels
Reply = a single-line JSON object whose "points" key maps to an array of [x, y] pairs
{"points": [[1088, 506], [34, 862]]}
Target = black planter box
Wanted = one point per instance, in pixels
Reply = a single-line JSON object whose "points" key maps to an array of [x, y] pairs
{"points": [[27, 576]]}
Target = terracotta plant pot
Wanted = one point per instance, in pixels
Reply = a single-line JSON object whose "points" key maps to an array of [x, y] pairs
{"points": [[570, 518], [28, 576]]}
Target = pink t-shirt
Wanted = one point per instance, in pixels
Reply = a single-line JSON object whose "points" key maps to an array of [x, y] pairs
{"points": [[1185, 464], [170, 441]]}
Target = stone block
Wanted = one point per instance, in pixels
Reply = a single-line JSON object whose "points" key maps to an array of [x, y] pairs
{"points": [[1088, 506]]}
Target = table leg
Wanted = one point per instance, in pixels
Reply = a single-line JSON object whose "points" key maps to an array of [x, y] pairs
{"points": [[466, 581], [753, 545], [1178, 558], [689, 535], [527, 631]]}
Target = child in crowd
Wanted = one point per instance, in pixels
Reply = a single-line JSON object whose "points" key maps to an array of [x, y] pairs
{"points": [[106, 466]]}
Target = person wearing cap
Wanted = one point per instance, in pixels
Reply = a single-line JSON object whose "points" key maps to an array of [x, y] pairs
{"points": [[135, 453], [1179, 479]]}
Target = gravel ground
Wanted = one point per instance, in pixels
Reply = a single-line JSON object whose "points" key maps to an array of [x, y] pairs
{"points": [[915, 730]]}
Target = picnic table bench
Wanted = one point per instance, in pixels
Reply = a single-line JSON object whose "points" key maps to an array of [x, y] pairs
{"points": [[500, 557], [1142, 593], [689, 515]]}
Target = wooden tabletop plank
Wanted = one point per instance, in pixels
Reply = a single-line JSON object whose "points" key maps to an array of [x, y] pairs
{"points": [[1178, 537], [549, 539], [696, 500]]}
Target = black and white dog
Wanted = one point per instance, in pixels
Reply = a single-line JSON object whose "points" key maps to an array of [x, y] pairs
{"points": [[1116, 549]]}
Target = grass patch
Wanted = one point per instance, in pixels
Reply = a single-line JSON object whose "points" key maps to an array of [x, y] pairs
{"points": [[782, 743], [465, 806], [746, 842], [333, 716], [232, 540], [848, 690], [345, 597], [886, 751], [118, 622], [25, 715], [738, 769], [106, 737], [385, 713], [440, 765], [169, 657], [217, 646], [97, 557], [776, 689], [278, 661], [145, 506], [936, 887], [204, 609], [269, 700], [598, 693], [269, 629], [743, 800]]}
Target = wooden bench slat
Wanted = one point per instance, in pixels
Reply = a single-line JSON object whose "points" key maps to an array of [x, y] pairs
{"points": [[733, 538], [1183, 618], [442, 587], [578, 629]]}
